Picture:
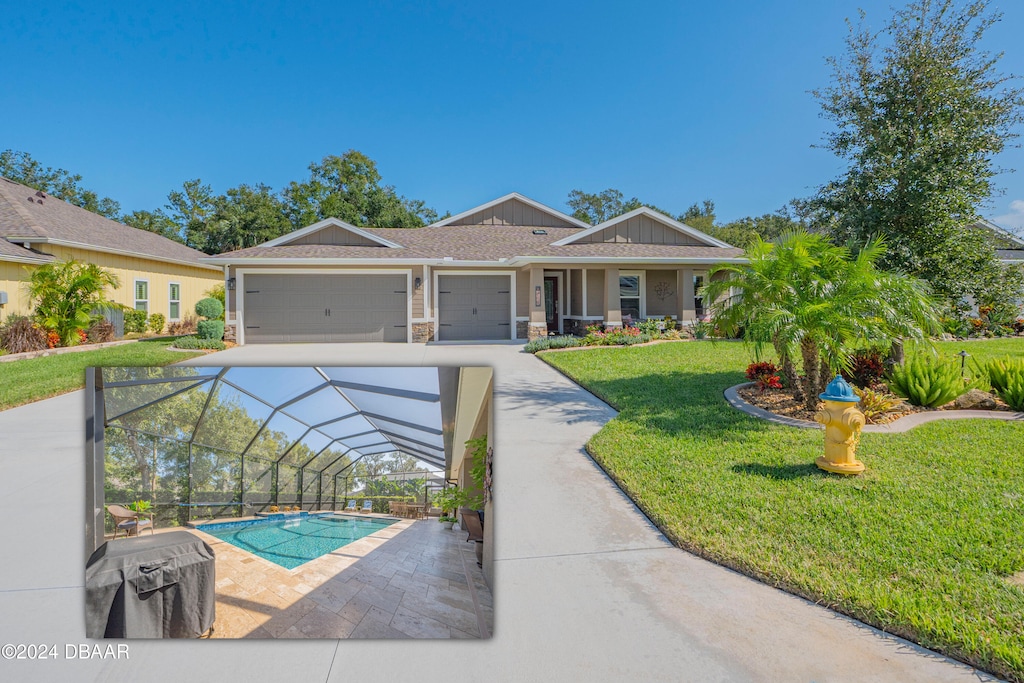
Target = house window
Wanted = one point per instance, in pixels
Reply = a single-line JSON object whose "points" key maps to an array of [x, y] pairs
{"points": [[142, 295], [629, 295], [698, 300], [174, 296]]}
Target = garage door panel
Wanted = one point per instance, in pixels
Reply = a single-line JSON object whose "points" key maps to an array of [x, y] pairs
{"points": [[474, 307], [325, 308]]}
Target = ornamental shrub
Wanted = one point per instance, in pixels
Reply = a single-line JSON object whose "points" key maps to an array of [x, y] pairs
{"points": [[544, 343], [19, 334], [210, 329], [875, 404], [765, 374], [101, 331], [199, 343], [927, 381], [209, 308], [134, 321], [867, 367], [187, 325], [156, 322]]}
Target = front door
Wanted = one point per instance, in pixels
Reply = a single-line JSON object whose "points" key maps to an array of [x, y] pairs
{"points": [[551, 303]]}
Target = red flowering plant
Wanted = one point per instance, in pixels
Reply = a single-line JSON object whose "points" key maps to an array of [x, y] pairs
{"points": [[52, 339], [765, 375]]}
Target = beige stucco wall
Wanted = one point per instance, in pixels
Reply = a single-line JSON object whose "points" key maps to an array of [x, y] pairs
{"points": [[595, 292], [661, 293], [575, 292]]}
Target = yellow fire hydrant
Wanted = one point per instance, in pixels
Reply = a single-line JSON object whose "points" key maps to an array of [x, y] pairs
{"points": [[843, 421]]}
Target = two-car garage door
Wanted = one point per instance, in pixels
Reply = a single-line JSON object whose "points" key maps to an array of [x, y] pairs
{"points": [[325, 308]]}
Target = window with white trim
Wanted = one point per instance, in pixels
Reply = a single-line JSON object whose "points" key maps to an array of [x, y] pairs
{"points": [[630, 285], [142, 295], [174, 299]]}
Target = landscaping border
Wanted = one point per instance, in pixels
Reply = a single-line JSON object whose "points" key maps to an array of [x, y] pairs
{"points": [[63, 349], [903, 424]]}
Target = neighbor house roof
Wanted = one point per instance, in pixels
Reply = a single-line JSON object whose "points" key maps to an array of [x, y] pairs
{"points": [[15, 252], [505, 244], [1010, 255], [29, 216]]}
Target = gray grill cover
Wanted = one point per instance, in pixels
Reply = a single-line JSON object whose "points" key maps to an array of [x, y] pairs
{"points": [[155, 586]]}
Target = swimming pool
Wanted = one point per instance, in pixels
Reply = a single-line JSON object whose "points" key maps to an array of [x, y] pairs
{"points": [[293, 541]]}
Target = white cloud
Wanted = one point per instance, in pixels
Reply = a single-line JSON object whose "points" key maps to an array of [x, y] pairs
{"points": [[1014, 220]]}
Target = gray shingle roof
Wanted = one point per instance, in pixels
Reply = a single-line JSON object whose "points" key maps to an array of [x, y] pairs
{"points": [[479, 243], [16, 252], [29, 214]]}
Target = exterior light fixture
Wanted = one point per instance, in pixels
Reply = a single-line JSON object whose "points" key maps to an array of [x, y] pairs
{"points": [[536, 296], [231, 283], [417, 283], [963, 360]]}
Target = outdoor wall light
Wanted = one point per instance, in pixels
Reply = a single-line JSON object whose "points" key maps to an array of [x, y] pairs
{"points": [[536, 296], [417, 283], [231, 283]]}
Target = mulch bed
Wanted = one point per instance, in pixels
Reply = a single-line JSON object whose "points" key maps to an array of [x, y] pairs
{"points": [[781, 403]]}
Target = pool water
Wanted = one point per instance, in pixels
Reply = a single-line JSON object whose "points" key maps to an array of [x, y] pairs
{"points": [[291, 542]]}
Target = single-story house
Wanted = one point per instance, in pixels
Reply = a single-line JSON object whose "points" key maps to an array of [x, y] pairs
{"points": [[508, 269], [157, 275]]}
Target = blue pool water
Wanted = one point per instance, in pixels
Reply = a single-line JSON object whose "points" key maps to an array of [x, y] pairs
{"points": [[291, 542]]}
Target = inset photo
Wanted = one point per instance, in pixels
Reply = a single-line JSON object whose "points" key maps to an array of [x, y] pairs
{"points": [[289, 502]]}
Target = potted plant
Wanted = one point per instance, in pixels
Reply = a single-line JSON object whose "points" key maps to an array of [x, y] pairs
{"points": [[449, 500]]}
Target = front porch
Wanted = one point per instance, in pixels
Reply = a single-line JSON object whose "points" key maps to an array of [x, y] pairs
{"points": [[567, 299]]}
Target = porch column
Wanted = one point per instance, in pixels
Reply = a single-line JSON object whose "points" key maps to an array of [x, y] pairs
{"points": [[538, 317], [612, 306], [685, 310]]}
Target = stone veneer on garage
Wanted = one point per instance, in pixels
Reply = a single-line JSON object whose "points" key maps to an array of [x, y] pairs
{"points": [[422, 332]]}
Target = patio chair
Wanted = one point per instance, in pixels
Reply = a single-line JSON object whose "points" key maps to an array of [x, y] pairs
{"points": [[351, 507], [471, 525], [367, 506], [128, 520]]}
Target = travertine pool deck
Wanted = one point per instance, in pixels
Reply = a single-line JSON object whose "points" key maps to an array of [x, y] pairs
{"points": [[413, 579]]}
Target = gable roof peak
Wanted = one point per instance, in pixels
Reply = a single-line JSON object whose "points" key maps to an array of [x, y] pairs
{"points": [[572, 220], [329, 222], [653, 215]]}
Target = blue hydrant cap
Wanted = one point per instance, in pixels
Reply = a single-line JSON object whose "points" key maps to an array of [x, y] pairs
{"points": [[839, 390]]}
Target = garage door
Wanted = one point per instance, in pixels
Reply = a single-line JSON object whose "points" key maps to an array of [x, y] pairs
{"points": [[474, 307], [325, 308]]}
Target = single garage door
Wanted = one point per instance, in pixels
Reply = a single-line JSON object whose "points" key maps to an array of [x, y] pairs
{"points": [[472, 307], [325, 308]]}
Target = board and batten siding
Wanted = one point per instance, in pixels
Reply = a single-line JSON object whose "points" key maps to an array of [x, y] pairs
{"points": [[642, 230], [337, 236], [12, 276], [514, 212], [194, 281]]}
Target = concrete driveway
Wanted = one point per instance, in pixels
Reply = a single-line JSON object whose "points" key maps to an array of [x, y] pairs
{"points": [[585, 587]]}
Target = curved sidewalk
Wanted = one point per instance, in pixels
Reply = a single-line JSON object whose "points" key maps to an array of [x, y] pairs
{"points": [[585, 587]]}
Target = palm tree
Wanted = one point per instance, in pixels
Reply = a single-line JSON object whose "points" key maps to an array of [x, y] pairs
{"points": [[66, 293], [805, 296]]}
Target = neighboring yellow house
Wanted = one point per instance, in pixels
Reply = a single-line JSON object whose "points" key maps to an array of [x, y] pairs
{"points": [[157, 275]]}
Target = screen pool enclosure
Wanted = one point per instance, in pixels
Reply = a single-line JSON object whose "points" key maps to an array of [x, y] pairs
{"points": [[202, 442]]}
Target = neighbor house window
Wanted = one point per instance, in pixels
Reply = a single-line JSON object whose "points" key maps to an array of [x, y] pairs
{"points": [[629, 295], [174, 296], [142, 295], [698, 300]]}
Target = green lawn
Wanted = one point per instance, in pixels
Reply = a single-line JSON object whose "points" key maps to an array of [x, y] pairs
{"points": [[920, 545], [33, 379]]}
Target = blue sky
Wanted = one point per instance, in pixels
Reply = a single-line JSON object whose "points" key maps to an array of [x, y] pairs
{"points": [[458, 103]]}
